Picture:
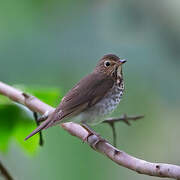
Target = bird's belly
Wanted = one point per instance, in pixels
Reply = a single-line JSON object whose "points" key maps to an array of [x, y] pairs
{"points": [[96, 113]]}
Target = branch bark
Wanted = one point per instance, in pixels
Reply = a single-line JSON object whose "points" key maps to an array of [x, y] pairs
{"points": [[116, 155]]}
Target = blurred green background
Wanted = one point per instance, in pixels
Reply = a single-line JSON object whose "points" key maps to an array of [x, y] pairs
{"points": [[52, 44]]}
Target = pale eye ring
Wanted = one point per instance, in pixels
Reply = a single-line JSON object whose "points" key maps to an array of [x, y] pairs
{"points": [[107, 63]]}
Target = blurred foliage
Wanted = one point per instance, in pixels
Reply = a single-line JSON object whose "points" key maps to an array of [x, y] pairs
{"points": [[17, 122], [54, 43]]}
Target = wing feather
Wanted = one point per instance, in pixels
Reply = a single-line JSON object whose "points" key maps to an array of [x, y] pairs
{"points": [[85, 94]]}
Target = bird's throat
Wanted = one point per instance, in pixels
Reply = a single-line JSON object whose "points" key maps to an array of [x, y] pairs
{"points": [[119, 71]]}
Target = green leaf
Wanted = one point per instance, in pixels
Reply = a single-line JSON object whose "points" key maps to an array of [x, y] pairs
{"points": [[22, 129], [16, 122], [8, 114], [4, 100], [48, 95]]}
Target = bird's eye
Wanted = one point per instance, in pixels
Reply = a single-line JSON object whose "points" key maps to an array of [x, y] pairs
{"points": [[107, 63]]}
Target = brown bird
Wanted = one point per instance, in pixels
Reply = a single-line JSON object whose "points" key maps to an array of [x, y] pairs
{"points": [[93, 97]]}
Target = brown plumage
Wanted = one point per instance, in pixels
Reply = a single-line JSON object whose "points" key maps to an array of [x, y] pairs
{"points": [[89, 98]]}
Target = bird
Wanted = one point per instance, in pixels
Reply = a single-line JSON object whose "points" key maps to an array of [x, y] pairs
{"points": [[92, 98]]}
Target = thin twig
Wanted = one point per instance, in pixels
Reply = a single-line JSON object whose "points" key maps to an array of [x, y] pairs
{"points": [[112, 125], [111, 121], [41, 141], [118, 156], [124, 119], [5, 172]]}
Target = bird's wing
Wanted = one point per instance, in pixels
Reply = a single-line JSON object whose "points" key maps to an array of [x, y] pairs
{"points": [[85, 94]]}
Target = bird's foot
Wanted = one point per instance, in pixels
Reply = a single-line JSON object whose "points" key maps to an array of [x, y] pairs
{"points": [[43, 117], [93, 138]]}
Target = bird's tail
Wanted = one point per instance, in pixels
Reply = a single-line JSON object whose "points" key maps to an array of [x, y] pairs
{"points": [[42, 126]]}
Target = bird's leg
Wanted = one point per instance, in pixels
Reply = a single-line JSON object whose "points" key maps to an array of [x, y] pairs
{"points": [[91, 133], [43, 117], [90, 130], [38, 121]]}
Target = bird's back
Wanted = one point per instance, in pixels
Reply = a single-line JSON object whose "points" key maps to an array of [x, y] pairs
{"points": [[84, 95]]}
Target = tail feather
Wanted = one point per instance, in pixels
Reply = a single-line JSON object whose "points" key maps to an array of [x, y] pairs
{"points": [[42, 126]]}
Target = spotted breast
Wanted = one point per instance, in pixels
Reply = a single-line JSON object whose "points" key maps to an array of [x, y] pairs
{"points": [[96, 114]]}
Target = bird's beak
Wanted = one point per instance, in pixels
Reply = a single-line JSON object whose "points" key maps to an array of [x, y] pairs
{"points": [[122, 61]]}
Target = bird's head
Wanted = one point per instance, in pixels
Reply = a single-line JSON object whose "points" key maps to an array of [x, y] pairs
{"points": [[111, 65]]}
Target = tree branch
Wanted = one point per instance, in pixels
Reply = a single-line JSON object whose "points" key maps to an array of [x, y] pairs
{"points": [[5, 172], [118, 156], [111, 121], [124, 119]]}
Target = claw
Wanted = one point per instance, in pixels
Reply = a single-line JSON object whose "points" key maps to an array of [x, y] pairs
{"points": [[44, 116], [93, 138]]}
